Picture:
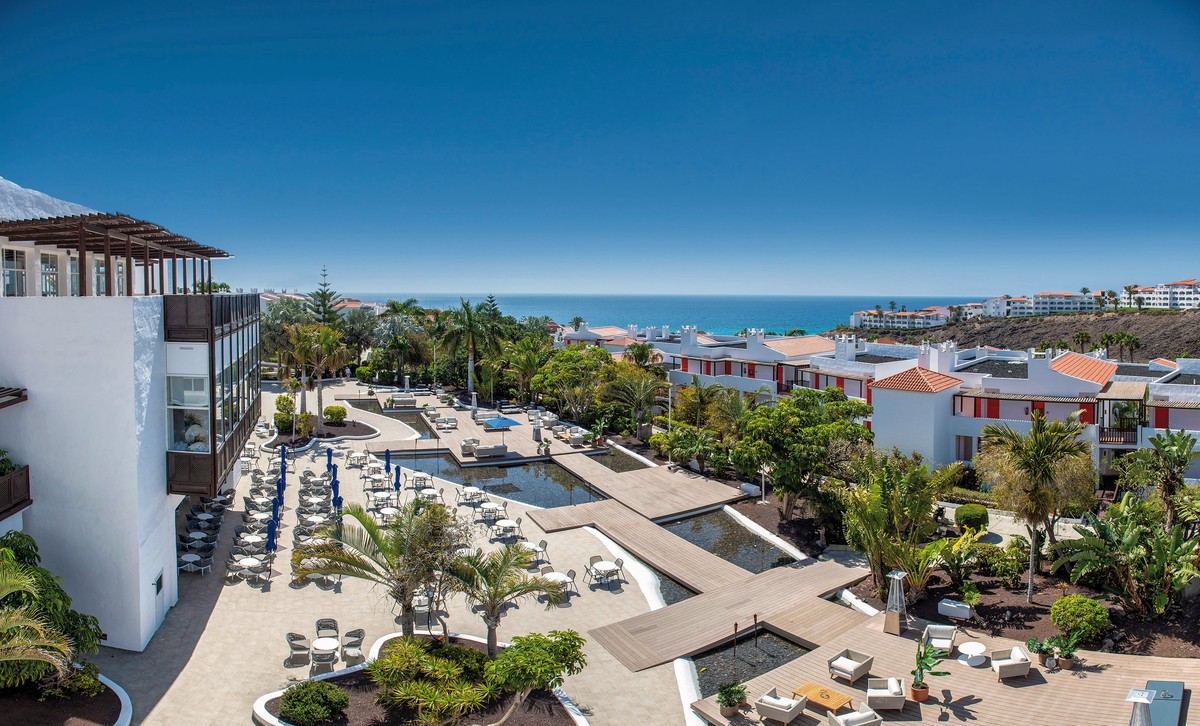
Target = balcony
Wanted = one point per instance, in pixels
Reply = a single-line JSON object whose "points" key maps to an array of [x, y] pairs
{"points": [[1118, 436], [14, 492]]}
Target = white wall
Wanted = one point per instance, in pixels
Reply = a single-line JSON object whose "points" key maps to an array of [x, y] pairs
{"points": [[914, 422], [94, 434]]}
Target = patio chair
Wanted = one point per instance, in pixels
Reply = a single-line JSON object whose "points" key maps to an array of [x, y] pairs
{"points": [[590, 571], [620, 563], [204, 566], [232, 570], [940, 637], [571, 577], [352, 644], [885, 693], [327, 628], [773, 707], [299, 647], [1010, 663], [850, 664], [325, 659], [539, 551], [862, 716]]}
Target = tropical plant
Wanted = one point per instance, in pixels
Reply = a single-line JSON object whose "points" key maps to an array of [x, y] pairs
{"points": [[302, 352], [26, 637], [358, 330], [309, 703], [473, 331], [959, 558], [1083, 339], [522, 361], [643, 355], [576, 323], [1037, 458], [491, 581], [927, 659], [971, 516], [281, 314], [702, 397], [399, 337], [1064, 646], [1080, 614], [1162, 467], [537, 662], [330, 354], [572, 376], [441, 682], [686, 443], [1129, 554], [402, 557], [322, 304], [1039, 646], [335, 414], [7, 465], [731, 694], [917, 562], [804, 438], [637, 391]]}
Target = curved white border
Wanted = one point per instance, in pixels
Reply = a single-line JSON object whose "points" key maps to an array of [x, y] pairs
{"points": [[126, 716], [762, 532], [263, 717], [856, 602], [689, 690], [629, 452], [642, 575]]}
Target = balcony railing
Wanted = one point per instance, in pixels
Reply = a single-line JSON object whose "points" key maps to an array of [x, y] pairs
{"points": [[1118, 436], [14, 492]]}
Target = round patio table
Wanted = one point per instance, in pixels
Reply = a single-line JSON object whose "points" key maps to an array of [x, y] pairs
{"points": [[314, 519], [190, 557], [250, 562], [203, 516], [472, 494], [253, 538], [558, 577], [389, 511], [315, 500], [972, 653], [606, 570], [326, 645], [264, 501], [429, 494], [198, 535], [261, 516]]}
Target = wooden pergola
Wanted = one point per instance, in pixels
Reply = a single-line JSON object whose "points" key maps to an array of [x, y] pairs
{"points": [[10, 396], [120, 236]]}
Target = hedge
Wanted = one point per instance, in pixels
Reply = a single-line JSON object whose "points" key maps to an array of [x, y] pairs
{"points": [[971, 516], [335, 414]]}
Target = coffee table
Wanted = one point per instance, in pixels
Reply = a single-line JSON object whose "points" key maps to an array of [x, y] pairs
{"points": [[972, 653], [822, 696]]}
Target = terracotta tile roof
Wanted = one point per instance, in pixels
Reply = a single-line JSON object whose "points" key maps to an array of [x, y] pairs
{"points": [[805, 345], [1165, 362], [918, 380], [1183, 282], [623, 340], [1085, 367], [1055, 294]]}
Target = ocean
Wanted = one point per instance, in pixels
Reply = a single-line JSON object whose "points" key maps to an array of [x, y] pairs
{"points": [[719, 314]]}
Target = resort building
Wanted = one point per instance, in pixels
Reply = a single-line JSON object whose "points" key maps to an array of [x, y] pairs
{"points": [[1179, 294], [1043, 303], [753, 363], [930, 317], [122, 401]]}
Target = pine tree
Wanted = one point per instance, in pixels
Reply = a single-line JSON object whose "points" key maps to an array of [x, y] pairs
{"points": [[322, 303]]}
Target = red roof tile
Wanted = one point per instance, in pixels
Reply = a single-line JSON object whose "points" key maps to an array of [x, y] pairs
{"points": [[1085, 367], [918, 380]]}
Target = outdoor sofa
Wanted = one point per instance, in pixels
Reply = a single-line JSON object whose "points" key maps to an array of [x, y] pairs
{"points": [[1010, 663], [482, 452], [773, 707], [850, 664]]}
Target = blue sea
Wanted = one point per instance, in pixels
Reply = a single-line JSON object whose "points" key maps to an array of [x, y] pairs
{"points": [[719, 314]]}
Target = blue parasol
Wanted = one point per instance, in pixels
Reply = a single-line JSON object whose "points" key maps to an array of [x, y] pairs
{"points": [[279, 487], [387, 460], [272, 530], [501, 424], [275, 509], [334, 486], [337, 504], [283, 458], [397, 478], [328, 459]]}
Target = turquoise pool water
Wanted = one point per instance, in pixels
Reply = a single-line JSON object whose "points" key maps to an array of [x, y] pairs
{"points": [[542, 484]]}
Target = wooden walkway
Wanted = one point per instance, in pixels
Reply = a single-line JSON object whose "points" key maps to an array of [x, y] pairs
{"points": [[785, 599], [655, 492], [1091, 694], [693, 567]]}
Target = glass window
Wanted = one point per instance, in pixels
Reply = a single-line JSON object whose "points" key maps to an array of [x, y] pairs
{"points": [[49, 275], [187, 414], [73, 265], [100, 284], [14, 273]]}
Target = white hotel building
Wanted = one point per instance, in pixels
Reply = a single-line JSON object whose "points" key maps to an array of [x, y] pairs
{"points": [[1182, 294], [121, 402]]}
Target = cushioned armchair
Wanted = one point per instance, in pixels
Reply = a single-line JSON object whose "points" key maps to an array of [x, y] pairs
{"points": [[1010, 663], [771, 706], [940, 637], [850, 664], [863, 716], [885, 693]]}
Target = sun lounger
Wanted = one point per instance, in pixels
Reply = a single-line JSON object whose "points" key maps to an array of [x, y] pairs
{"points": [[483, 452]]}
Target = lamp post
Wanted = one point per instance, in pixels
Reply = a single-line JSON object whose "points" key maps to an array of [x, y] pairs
{"points": [[670, 421]]}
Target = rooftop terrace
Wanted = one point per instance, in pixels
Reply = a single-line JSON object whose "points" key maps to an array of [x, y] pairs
{"points": [[998, 368]]}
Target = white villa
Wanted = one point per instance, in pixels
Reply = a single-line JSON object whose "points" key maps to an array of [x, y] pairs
{"points": [[121, 400]]}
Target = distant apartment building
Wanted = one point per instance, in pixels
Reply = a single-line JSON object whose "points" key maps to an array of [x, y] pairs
{"points": [[1180, 294], [121, 401], [1043, 303], [934, 316]]}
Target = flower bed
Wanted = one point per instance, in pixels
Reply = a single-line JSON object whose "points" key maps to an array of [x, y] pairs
{"points": [[21, 706]]}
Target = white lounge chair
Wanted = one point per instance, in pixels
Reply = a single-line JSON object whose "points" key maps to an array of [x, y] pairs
{"points": [[1011, 663], [773, 707], [885, 693], [850, 664], [940, 637], [483, 452], [862, 716]]}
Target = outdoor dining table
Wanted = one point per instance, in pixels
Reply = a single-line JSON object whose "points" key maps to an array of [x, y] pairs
{"points": [[250, 562], [507, 526], [261, 516], [264, 501], [381, 495], [558, 577], [389, 511], [204, 516], [429, 494], [190, 557], [326, 645], [315, 500], [198, 535], [606, 570], [253, 538], [246, 460], [315, 519], [472, 494]]}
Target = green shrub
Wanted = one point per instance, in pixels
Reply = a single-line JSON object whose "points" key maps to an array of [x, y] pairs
{"points": [[993, 561], [364, 374], [659, 443], [971, 516], [311, 702], [961, 495], [1080, 614], [305, 424], [283, 422], [7, 465], [285, 404], [82, 681], [335, 414], [472, 662]]}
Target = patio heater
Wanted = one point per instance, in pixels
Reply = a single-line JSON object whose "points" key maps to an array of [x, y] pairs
{"points": [[537, 426], [1141, 701], [895, 618]]}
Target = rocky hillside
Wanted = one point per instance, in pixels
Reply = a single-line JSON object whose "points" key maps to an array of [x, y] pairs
{"points": [[1162, 334]]}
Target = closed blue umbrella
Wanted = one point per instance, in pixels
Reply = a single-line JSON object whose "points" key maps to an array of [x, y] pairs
{"points": [[279, 487], [275, 509], [283, 458], [337, 504], [397, 478], [328, 459], [334, 485], [387, 460], [272, 530]]}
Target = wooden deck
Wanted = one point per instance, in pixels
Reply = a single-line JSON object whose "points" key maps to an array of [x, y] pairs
{"points": [[693, 567], [654, 492], [1091, 694], [785, 599]]}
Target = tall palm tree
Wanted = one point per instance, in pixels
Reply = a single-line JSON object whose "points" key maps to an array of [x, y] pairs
{"points": [[330, 354], [24, 634], [703, 396], [301, 352], [1082, 338], [1037, 456], [522, 360], [472, 331], [402, 557], [409, 308], [491, 581], [643, 355], [1131, 343], [638, 393], [397, 334], [1107, 341]]}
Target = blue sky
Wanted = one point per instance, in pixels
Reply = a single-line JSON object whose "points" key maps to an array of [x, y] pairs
{"points": [[775, 148]]}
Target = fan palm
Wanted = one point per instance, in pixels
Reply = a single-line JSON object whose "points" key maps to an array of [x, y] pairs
{"points": [[703, 396], [1037, 457], [687, 443], [25, 635], [301, 352], [402, 557], [642, 355], [491, 581], [638, 393], [472, 331]]}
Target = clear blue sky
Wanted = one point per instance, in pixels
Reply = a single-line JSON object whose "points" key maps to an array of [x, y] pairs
{"points": [[775, 147]]}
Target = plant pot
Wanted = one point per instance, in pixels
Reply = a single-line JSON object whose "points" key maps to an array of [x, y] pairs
{"points": [[920, 695], [729, 711], [1042, 658], [1066, 663]]}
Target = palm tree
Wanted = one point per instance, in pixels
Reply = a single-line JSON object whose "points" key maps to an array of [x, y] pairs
{"points": [[892, 305], [1113, 298], [1085, 290], [522, 361], [703, 396], [491, 581], [643, 355], [330, 354], [638, 393], [1131, 343], [409, 308], [1174, 453], [687, 443], [397, 334], [301, 352], [471, 330], [576, 323], [1062, 344], [403, 557], [1082, 338], [24, 634], [1101, 298], [1107, 341], [1037, 456], [1139, 301]]}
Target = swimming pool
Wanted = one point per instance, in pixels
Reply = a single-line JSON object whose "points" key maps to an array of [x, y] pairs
{"points": [[416, 421], [542, 483]]}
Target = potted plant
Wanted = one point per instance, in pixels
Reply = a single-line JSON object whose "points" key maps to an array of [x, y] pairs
{"points": [[390, 402], [730, 697], [1064, 650], [1041, 647], [928, 658]]}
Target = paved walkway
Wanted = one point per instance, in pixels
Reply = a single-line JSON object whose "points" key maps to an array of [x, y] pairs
{"points": [[222, 646]]}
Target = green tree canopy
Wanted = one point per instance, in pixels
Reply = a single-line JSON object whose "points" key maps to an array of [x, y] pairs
{"points": [[573, 375], [322, 303]]}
